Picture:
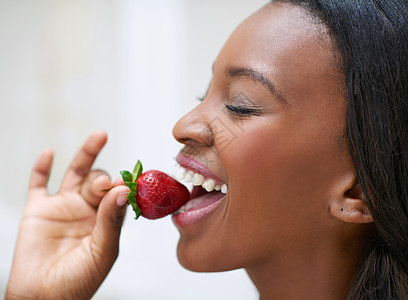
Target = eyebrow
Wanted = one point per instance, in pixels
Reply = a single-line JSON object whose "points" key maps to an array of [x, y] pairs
{"points": [[256, 76]]}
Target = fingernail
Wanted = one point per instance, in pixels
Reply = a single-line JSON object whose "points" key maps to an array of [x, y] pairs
{"points": [[122, 199]]}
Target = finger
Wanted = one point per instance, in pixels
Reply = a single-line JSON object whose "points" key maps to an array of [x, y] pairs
{"points": [[83, 161], [118, 181], [41, 172], [109, 223], [95, 186], [102, 185]]}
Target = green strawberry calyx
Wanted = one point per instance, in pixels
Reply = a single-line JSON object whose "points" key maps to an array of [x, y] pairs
{"points": [[130, 181]]}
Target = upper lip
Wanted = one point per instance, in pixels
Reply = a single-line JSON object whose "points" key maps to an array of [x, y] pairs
{"points": [[194, 165]]}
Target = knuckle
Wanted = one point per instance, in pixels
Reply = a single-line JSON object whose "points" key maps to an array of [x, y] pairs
{"points": [[99, 172]]}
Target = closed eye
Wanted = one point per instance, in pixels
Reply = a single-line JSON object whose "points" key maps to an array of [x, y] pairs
{"points": [[238, 110]]}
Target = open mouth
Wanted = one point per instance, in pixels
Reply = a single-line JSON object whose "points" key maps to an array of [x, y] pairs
{"points": [[209, 184], [205, 196]]}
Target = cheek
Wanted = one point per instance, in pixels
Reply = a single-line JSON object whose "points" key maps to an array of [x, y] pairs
{"points": [[280, 177], [269, 157]]}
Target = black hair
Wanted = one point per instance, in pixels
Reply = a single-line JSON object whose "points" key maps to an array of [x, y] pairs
{"points": [[372, 37]]}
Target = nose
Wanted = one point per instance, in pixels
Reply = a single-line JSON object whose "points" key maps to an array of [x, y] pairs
{"points": [[193, 128]]}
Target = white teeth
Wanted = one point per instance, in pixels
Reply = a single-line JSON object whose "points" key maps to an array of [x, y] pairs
{"points": [[198, 179], [180, 173], [181, 210], [189, 176], [209, 185]]}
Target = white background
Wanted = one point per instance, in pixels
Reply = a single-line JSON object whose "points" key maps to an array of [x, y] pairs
{"points": [[132, 68]]}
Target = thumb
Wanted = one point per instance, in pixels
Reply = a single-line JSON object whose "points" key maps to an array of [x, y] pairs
{"points": [[109, 220]]}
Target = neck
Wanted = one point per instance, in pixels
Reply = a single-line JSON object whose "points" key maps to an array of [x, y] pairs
{"points": [[314, 274]]}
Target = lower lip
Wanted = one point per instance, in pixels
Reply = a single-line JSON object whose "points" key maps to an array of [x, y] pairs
{"points": [[201, 207]]}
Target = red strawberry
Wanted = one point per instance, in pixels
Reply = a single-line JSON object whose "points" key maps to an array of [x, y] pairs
{"points": [[154, 194]]}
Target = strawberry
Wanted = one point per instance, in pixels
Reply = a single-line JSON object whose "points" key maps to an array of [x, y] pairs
{"points": [[154, 194]]}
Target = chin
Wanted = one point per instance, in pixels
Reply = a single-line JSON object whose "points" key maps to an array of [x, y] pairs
{"points": [[203, 259]]}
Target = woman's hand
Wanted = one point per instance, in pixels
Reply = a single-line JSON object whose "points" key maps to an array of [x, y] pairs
{"points": [[68, 243]]}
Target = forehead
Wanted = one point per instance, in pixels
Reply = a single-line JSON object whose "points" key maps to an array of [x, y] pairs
{"points": [[281, 39]]}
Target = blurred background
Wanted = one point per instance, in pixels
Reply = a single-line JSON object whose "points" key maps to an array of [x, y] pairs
{"points": [[132, 68]]}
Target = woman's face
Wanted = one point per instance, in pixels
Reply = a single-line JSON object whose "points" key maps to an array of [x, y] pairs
{"points": [[271, 128]]}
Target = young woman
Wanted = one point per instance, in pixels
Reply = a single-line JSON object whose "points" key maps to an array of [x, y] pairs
{"points": [[305, 122]]}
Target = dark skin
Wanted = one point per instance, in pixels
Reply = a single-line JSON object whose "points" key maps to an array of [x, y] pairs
{"points": [[68, 242], [293, 212], [294, 215]]}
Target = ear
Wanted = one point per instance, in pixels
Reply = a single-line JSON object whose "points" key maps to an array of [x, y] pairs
{"points": [[349, 203]]}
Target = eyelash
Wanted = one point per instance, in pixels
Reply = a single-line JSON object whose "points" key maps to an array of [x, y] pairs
{"points": [[241, 110], [237, 111]]}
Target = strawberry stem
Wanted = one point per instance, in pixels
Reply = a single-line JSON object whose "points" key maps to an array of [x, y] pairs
{"points": [[137, 171], [127, 176], [132, 201], [130, 181]]}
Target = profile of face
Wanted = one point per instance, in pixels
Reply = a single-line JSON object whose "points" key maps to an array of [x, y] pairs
{"points": [[272, 128]]}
